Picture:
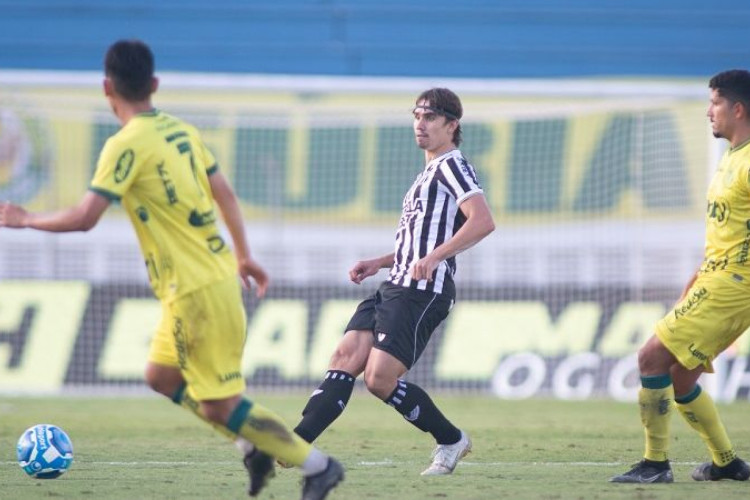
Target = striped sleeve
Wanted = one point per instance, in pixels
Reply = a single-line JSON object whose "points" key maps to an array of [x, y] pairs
{"points": [[459, 178]]}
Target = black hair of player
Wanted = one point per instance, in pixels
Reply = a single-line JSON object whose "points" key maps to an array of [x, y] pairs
{"points": [[130, 66], [733, 85]]}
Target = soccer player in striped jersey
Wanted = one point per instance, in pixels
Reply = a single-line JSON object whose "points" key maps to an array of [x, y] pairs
{"points": [[712, 313], [443, 213], [169, 183]]}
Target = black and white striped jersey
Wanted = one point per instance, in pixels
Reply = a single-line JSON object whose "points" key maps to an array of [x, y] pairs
{"points": [[431, 216]]}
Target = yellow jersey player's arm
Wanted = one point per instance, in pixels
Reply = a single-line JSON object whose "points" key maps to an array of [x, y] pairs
{"points": [[688, 286], [230, 212], [81, 217]]}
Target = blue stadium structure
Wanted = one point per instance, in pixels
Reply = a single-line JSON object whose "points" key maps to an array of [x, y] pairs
{"points": [[447, 38]]}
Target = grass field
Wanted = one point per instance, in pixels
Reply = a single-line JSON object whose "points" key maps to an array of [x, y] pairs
{"points": [[146, 448]]}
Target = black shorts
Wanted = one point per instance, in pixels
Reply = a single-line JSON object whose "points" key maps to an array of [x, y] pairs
{"points": [[402, 319]]}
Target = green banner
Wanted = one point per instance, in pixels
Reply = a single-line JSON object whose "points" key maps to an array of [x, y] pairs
{"points": [[318, 158]]}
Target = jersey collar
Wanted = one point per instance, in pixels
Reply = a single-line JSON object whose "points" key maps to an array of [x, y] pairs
{"points": [[732, 150], [440, 158], [151, 112]]}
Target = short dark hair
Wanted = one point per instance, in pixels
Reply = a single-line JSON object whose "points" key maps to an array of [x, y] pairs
{"points": [[130, 66], [445, 102], [734, 85]]}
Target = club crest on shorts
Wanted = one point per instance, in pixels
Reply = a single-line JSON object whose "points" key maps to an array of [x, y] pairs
{"points": [[381, 336]]}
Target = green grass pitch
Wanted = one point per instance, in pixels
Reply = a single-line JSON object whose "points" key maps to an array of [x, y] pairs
{"points": [[146, 448]]}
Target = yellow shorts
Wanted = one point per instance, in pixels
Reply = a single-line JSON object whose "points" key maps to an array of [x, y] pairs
{"points": [[203, 333], [714, 312]]}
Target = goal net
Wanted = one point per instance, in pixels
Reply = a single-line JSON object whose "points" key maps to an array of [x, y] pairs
{"points": [[597, 189]]}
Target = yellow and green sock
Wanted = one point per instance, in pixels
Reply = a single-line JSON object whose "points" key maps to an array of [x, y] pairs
{"points": [[655, 400], [699, 411]]}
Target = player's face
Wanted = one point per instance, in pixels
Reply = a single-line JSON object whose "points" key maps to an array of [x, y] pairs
{"points": [[720, 113], [432, 132]]}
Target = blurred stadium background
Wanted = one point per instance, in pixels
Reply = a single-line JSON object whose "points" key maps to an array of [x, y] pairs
{"points": [[585, 120]]}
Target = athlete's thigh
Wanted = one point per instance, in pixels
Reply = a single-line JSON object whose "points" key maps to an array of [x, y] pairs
{"points": [[714, 312], [209, 330], [162, 350]]}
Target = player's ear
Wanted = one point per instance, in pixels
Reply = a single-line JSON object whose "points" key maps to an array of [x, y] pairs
{"points": [[452, 125], [739, 110], [154, 84], [109, 87]]}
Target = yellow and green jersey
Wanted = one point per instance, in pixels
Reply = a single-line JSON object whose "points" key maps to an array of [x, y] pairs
{"points": [[728, 215], [158, 167]]}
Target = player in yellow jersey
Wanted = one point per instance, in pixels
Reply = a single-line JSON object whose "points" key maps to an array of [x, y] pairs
{"points": [[169, 183], [713, 311]]}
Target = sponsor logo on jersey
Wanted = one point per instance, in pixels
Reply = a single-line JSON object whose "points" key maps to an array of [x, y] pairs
{"points": [[691, 302], [226, 377], [180, 343], [216, 243], [142, 213], [718, 210], [696, 353], [124, 165], [198, 219]]}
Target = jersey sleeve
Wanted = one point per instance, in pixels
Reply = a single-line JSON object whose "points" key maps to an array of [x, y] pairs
{"points": [[205, 156], [115, 170], [459, 178]]}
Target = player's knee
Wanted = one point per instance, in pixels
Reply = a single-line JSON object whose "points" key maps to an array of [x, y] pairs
{"points": [[339, 356], [645, 359], [156, 383], [379, 384], [347, 359], [654, 358], [163, 380], [214, 413]]}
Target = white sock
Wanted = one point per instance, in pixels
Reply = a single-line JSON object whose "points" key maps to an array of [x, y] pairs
{"points": [[315, 463], [245, 446]]}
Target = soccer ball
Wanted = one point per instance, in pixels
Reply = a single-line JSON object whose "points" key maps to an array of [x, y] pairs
{"points": [[44, 451]]}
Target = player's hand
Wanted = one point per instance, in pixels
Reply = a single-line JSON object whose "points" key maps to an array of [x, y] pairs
{"points": [[363, 269], [248, 268], [424, 268], [12, 215]]}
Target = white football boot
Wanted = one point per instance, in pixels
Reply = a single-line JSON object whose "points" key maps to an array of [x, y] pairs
{"points": [[446, 456]]}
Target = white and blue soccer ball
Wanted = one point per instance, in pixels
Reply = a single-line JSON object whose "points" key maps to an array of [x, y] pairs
{"points": [[44, 451]]}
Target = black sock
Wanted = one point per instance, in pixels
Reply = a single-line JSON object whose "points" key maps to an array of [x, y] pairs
{"points": [[656, 464], [325, 405], [417, 407]]}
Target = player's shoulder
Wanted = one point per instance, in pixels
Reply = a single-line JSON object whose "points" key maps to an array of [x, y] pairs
{"points": [[165, 119], [455, 160], [737, 160]]}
